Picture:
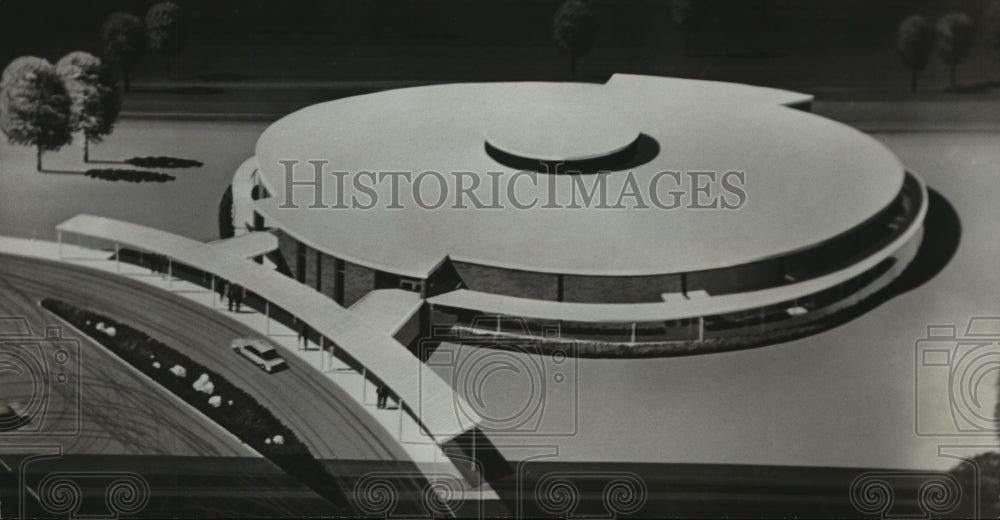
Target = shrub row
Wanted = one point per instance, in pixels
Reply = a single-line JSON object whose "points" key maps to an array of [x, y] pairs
{"points": [[163, 162], [118, 174]]}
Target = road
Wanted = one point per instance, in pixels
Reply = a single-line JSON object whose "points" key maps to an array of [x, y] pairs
{"points": [[326, 419], [323, 415], [125, 425], [150, 421]]}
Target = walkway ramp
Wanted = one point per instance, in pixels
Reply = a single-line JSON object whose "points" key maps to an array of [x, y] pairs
{"points": [[392, 310]]}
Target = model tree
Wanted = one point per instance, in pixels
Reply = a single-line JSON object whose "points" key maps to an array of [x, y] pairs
{"points": [[164, 29], [34, 106], [94, 97], [124, 39], [954, 32], [574, 30], [688, 15], [915, 44]]}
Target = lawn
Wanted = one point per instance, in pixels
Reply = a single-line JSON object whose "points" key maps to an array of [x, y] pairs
{"points": [[34, 202]]}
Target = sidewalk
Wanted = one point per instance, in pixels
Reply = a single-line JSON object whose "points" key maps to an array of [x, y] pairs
{"points": [[428, 457]]}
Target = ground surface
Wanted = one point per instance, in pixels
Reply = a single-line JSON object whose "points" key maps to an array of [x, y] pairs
{"points": [[844, 397], [33, 203]]}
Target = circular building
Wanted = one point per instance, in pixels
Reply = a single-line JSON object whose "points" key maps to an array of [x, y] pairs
{"points": [[646, 215]]}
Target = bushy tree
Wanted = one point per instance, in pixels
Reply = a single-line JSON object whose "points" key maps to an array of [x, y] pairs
{"points": [[915, 44], [124, 39], [93, 94], [574, 30], [688, 15], [34, 106], [954, 32], [164, 29]]}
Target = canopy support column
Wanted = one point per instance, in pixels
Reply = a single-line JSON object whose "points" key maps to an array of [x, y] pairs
{"points": [[400, 419], [322, 352], [319, 271]]}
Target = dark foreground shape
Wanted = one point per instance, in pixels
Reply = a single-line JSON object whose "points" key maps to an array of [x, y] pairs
{"points": [[545, 489], [116, 174], [154, 486]]}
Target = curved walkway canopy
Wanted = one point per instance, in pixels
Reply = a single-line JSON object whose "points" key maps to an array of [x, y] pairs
{"points": [[678, 308], [428, 397]]}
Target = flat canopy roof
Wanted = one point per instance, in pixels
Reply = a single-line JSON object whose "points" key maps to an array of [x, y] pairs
{"points": [[677, 307], [429, 397], [805, 179], [388, 309], [247, 245]]}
